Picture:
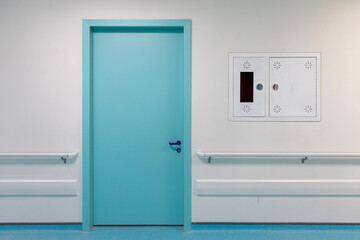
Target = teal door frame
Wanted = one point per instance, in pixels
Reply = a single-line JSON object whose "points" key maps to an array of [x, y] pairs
{"points": [[87, 155]]}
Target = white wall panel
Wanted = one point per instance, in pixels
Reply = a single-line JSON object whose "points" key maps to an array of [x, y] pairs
{"points": [[40, 99], [38, 187], [220, 187]]}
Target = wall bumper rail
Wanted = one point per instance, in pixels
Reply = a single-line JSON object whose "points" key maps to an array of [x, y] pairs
{"points": [[301, 156], [61, 156]]}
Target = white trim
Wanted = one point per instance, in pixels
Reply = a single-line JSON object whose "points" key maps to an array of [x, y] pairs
{"points": [[38, 187], [218, 187]]}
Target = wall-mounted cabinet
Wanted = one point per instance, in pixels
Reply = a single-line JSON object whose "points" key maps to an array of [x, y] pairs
{"points": [[274, 87]]}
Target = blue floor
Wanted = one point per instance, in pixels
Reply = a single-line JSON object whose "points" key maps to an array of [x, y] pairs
{"points": [[200, 232]]}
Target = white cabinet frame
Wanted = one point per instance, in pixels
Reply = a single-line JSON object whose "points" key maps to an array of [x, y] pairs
{"points": [[267, 87]]}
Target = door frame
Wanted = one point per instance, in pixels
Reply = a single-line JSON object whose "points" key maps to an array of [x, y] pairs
{"points": [[87, 135]]}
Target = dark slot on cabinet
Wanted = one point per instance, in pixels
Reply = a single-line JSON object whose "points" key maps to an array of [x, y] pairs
{"points": [[246, 87]]}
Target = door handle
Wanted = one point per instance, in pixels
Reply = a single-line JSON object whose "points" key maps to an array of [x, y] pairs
{"points": [[178, 142]]}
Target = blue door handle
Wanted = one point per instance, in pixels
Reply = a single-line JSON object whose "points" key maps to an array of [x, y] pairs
{"points": [[175, 143]]}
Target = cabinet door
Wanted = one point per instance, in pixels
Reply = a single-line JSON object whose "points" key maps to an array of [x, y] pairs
{"points": [[249, 87], [293, 87]]}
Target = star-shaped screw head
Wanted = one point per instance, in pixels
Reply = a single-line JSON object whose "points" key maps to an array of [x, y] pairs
{"points": [[277, 65], [247, 65], [277, 109], [246, 108]]}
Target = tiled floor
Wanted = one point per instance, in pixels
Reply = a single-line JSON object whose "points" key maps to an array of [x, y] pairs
{"points": [[200, 232]]}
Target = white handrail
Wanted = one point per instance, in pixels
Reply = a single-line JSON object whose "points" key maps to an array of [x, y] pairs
{"points": [[61, 156], [302, 156]]}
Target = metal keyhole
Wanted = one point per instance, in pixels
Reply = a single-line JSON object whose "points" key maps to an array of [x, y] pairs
{"points": [[259, 87], [178, 150], [275, 87]]}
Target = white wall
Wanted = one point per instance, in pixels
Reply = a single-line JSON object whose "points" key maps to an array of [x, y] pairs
{"points": [[40, 99]]}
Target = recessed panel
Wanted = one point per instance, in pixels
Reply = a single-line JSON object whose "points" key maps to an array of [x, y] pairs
{"points": [[249, 98], [293, 87]]}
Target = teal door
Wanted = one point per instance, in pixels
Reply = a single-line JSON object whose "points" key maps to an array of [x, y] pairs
{"points": [[138, 79]]}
